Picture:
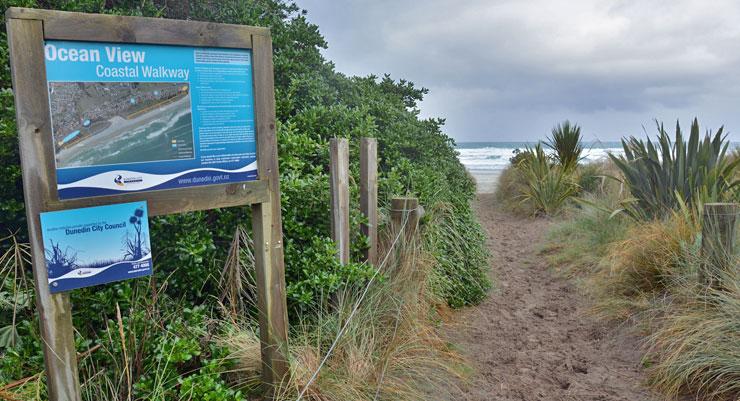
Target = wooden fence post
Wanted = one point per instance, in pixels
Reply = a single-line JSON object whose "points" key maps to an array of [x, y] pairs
{"points": [[718, 241], [405, 211], [369, 195], [339, 178]]}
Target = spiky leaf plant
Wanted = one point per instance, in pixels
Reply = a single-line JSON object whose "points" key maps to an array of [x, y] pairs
{"points": [[549, 185], [567, 143], [663, 174]]}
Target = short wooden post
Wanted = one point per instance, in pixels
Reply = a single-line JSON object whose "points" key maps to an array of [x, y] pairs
{"points": [[339, 178], [405, 212], [718, 241], [369, 195]]}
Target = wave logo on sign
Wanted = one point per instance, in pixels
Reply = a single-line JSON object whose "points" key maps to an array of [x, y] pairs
{"points": [[121, 181]]}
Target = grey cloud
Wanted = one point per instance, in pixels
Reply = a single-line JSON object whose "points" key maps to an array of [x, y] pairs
{"points": [[511, 69]]}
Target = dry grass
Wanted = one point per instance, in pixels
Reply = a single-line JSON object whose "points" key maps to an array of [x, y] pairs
{"points": [[512, 185], [387, 349], [696, 349], [648, 257]]}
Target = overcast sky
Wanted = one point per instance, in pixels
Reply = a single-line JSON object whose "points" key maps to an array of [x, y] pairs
{"points": [[511, 69]]}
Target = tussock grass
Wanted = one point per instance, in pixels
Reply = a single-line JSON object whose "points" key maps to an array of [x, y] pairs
{"points": [[460, 266], [697, 345], [387, 349], [648, 257]]}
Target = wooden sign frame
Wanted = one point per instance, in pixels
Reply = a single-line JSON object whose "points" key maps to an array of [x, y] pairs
{"points": [[27, 30]]}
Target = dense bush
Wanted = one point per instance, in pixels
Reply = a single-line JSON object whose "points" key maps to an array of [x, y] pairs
{"points": [[314, 103]]}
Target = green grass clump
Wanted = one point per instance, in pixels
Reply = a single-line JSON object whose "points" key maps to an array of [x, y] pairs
{"points": [[697, 346], [460, 272], [585, 235]]}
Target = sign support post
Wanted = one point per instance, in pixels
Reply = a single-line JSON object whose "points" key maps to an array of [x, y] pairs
{"points": [[267, 223], [55, 312], [28, 30]]}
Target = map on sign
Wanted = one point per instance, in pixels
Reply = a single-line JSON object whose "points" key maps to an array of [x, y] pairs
{"points": [[99, 123], [130, 118]]}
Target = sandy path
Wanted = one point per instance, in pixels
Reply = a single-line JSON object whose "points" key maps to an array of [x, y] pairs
{"points": [[532, 339]]}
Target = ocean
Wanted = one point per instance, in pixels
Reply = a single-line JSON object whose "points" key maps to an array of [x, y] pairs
{"points": [[494, 156], [486, 160]]}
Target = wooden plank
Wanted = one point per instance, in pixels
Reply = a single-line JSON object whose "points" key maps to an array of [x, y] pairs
{"points": [[339, 183], [179, 200], [719, 226], [267, 220], [26, 43], [369, 195], [61, 25]]}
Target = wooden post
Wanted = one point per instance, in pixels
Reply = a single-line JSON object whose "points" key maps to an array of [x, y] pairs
{"points": [[268, 225], [718, 241], [405, 211], [369, 195], [26, 41], [339, 177]]}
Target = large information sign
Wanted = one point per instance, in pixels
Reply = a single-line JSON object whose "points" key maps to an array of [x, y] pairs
{"points": [[129, 118]]}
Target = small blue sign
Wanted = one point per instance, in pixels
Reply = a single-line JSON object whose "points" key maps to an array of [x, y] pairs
{"points": [[96, 245]]}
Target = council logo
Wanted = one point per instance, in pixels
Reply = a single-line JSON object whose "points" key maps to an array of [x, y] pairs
{"points": [[118, 180]]}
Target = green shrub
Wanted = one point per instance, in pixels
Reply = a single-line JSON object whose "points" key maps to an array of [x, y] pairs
{"points": [[663, 174], [460, 274]]}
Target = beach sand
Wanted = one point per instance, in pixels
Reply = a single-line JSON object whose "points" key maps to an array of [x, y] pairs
{"points": [[535, 337], [486, 180]]}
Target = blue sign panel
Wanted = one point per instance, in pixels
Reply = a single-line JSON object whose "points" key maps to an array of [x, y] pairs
{"points": [[96, 245], [130, 118]]}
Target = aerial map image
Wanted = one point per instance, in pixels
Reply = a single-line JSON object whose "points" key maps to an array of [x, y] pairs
{"points": [[100, 123]]}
